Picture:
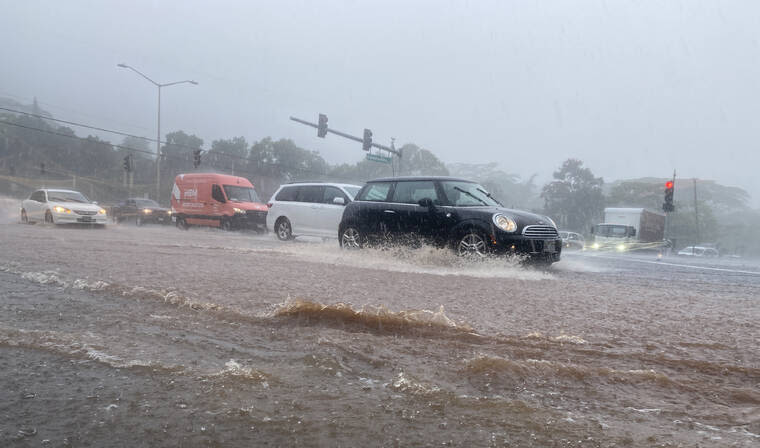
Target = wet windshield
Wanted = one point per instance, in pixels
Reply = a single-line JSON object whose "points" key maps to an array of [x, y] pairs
{"points": [[612, 231], [240, 194], [467, 194], [66, 196], [146, 203]]}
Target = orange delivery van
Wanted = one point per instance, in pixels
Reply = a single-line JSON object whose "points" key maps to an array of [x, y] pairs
{"points": [[217, 200]]}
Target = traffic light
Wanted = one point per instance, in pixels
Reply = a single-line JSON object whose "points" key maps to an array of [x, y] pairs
{"points": [[367, 140], [197, 158], [322, 129], [668, 206]]}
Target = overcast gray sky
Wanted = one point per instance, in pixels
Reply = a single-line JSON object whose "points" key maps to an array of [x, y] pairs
{"points": [[633, 88]]}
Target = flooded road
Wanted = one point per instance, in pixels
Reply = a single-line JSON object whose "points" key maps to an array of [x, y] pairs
{"points": [[153, 336]]}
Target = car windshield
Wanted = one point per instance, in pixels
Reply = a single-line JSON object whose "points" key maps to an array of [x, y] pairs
{"points": [[146, 203], [611, 230], [467, 194], [240, 194], [352, 191], [67, 196]]}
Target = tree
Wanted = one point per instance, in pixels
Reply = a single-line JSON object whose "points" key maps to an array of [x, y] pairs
{"points": [[575, 198], [417, 161], [226, 154], [637, 194]]}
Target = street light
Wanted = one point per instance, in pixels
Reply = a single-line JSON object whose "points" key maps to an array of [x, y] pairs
{"points": [[158, 137]]}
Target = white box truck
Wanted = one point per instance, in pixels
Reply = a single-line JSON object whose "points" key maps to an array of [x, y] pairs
{"points": [[626, 229]]}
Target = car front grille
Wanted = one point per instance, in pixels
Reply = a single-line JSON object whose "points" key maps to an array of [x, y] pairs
{"points": [[84, 212], [542, 232], [256, 216]]}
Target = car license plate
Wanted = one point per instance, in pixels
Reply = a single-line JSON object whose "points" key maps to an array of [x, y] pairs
{"points": [[549, 246]]}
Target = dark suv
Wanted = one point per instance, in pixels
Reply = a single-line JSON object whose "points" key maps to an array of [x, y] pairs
{"points": [[446, 212]]}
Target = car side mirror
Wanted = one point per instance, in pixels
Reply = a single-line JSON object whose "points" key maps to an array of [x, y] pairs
{"points": [[339, 201], [95, 202], [425, 202]]}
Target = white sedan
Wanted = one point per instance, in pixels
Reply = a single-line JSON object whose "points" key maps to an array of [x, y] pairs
{"points": [[61, 207]]}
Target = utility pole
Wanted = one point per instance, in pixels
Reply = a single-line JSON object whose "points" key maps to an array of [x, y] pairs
{"points": [[696, 218]]}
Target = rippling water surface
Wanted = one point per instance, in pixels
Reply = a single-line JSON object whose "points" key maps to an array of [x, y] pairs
{"points": [[157, 337]]}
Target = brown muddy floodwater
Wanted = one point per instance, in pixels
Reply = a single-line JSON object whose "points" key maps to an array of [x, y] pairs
{"points": [[153, 336]]}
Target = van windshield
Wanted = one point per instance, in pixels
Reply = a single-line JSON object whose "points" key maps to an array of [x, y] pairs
{"points": [[612, 230], [240, 194]]}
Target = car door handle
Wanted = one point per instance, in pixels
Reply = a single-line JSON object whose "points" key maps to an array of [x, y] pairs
{"points": [[389, 211]]}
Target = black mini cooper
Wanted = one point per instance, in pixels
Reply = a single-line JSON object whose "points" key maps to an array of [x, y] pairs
{"points": [[446, 212]]}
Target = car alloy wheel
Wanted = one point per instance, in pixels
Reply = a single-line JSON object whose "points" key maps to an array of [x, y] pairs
{"points": [[351, 238], [472, 245], [49, 217], [226, 225], [139, 221], [24, 218], [284, 231]]}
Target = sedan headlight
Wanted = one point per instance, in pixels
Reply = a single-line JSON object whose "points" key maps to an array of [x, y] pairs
{"points": [[238, 210], [102, 211], [505, 223], [147, 211], [59, 209]]}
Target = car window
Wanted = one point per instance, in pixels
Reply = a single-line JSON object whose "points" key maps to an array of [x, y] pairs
{"points": [[287, 194], [67, 196], [331, 193], [38, 196], [352, 191], [216, 193], [466, 194], [376, 191], [411, 192], [310, 193]]}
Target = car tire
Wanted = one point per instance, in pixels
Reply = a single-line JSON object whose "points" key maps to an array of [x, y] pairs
{"points": [[139, 221], [182, 223], [24, 217], [471, 244], [49, 218], [283, 229], [351, 238], [225, 224]]}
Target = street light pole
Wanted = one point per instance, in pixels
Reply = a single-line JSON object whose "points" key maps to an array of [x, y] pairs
{"points": [[158, 127]]}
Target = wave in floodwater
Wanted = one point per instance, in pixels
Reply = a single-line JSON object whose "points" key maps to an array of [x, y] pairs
{"points": [[423, 260], [376, 318]]}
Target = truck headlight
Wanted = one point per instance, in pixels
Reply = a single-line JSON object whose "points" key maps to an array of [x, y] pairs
{"points": [[59, 209], [505, 223], [621, 247], [238, 210]]}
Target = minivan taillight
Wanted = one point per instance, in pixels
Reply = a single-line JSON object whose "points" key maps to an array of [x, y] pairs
{"points": [[269, 205]]}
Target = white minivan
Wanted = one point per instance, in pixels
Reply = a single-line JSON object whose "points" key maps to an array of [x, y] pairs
{"points": [[308, 209]]}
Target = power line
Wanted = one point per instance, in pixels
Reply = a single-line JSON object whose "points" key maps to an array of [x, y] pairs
{"points": [[169, 156]]}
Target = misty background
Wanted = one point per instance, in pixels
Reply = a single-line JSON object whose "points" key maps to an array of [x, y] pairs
{"points": [[632, 88]]}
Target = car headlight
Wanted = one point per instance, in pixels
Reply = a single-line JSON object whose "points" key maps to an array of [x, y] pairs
{"points": [[620, 247], [238, 210], [595, 246], [551, 221], [147, 211], [168, 212], [505, 223], [59, 209], [102, 211]]}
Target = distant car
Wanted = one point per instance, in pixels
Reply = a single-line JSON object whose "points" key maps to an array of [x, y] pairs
{"points": [[572, 240], [308, 209], [56, 206], [698, 251], [446, 212], [141, 211]]}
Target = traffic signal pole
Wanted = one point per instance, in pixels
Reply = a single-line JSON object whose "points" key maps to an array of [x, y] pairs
{"points": [[349, 136]]}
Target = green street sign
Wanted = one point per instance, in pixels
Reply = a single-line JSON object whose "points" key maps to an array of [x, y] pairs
{"points": [[379, 158]]}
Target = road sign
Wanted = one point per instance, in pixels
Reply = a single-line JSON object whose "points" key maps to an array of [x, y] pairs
{"points": [[379, 158]]}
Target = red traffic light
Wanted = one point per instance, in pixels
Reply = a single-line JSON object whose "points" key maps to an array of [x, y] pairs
{"points": [[669, 184]]}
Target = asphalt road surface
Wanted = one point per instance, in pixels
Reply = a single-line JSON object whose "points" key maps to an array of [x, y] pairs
{"points": [[153, 336]]}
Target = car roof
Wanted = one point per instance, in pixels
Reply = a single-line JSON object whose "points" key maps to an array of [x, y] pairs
{"points": [[419, 178], [335, 184], [58, 190]]}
